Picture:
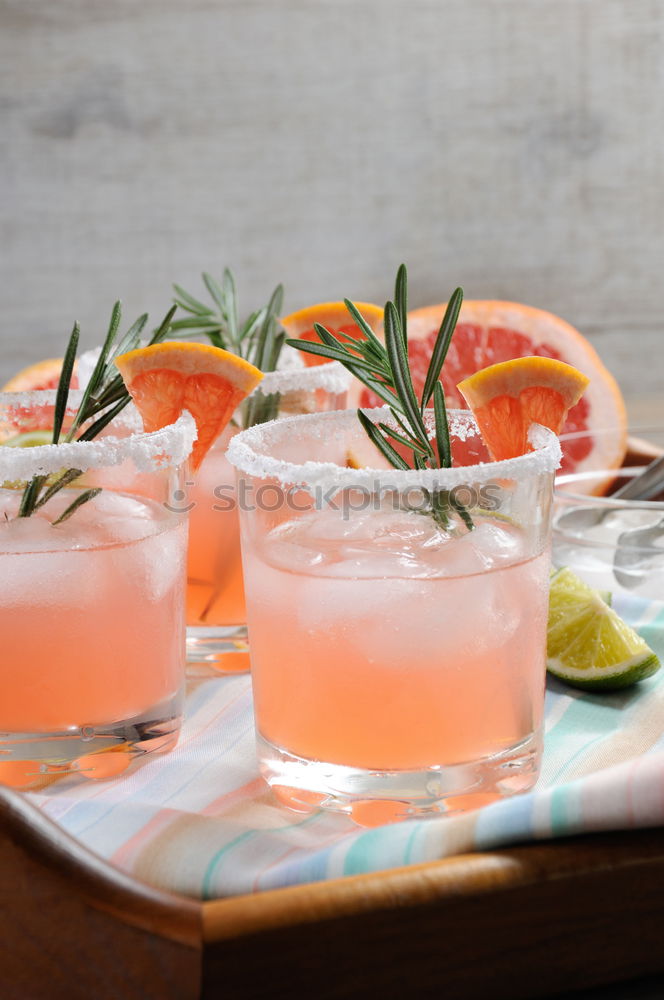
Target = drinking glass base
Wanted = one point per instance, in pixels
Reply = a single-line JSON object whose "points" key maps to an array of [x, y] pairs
{"points": [[372, 797], [34, 760], [217, 650]]}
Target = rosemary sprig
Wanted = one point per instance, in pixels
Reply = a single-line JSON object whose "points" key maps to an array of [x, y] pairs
{"points": [[385, 370], [258, 339], [104, 397]]}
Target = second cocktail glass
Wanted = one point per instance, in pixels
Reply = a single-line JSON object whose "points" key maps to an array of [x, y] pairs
{"points": [[216, 611]]}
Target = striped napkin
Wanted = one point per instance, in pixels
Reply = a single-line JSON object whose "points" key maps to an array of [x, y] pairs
{"points": [[200, 821]]}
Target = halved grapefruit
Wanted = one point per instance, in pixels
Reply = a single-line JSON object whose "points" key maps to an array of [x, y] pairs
{"points": [[334, 317], [493, 331], [165, 379], [508, 397], [42, 375]]}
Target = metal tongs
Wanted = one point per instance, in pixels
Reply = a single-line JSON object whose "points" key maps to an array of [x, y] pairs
{"points": [[646, 485], [636, 548]]}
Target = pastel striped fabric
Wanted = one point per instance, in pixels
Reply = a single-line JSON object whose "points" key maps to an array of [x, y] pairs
{"points": [[199, 821]]}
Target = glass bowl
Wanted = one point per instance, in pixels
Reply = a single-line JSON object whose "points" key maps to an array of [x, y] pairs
{"points": [[613, 544]]}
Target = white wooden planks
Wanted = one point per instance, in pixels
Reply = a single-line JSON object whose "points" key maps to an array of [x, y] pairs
{"points": [[512, 146]]}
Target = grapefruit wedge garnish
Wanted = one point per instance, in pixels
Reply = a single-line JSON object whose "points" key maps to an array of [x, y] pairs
{"points": [[165, 379], [334, 317], [508, 397], [488, 332]]}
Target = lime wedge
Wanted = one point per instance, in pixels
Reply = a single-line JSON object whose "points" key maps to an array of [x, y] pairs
{"points": [[588, 644], [30, 439]]}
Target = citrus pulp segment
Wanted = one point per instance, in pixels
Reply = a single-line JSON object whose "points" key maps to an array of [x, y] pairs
{"points": [[491, 331], [165, 379], [334, 316], [588, 645], [506, 398]]}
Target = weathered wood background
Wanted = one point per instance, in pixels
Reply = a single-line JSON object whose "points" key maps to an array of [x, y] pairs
{"points": [[512, 146]]}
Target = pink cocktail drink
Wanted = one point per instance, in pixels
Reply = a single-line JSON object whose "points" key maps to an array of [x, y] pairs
{"points": [[216, 608], [215, 588], [396, 656], [474, 603], [91, 604], [84, 607]]}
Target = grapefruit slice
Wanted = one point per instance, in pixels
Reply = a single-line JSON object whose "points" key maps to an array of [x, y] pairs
{"points": [[165, 379], [334, 317], [491, 331], [42, 375], [508, 397]]}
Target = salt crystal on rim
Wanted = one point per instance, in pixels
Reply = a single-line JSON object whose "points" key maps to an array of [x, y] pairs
{"points": [[331, 377], [245, 454]]}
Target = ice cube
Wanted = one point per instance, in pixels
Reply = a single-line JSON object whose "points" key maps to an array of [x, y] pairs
{"points": [[330, 524], [334, 603], [150, 545], [496, 544], [160, 560], [400, 622], [70, 563], [39, 565], [29, 534], [292, 557]]}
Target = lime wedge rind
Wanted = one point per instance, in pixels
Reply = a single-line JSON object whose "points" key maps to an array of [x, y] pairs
{"points": [[622, 675]]}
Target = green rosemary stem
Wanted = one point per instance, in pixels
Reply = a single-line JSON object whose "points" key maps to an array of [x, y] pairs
{"points": [[104, 396]]}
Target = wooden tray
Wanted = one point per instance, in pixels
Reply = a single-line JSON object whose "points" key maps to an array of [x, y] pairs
{"points": [[526, 922]]}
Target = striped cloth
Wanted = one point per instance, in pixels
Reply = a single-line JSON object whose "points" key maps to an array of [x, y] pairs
{"points": [[199, 821]]}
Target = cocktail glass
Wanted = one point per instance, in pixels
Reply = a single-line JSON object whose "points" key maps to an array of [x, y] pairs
{"points": [[398, 661], [92, 608], [216, 611]]}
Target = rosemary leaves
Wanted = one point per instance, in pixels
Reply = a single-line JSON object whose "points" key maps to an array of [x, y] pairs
{"points": [[384, 369]]}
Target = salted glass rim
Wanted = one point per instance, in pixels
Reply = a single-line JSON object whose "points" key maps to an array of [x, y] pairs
{"points": [[149, 450], [243, 453], [46, 397], [331, 376]]}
